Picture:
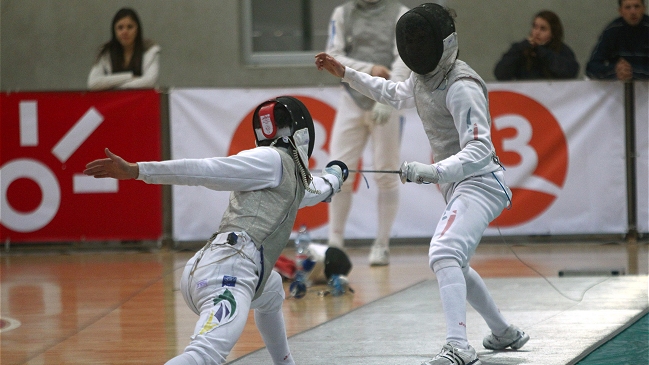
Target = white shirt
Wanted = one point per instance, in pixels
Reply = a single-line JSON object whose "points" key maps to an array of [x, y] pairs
{"points": [[101, 75]]}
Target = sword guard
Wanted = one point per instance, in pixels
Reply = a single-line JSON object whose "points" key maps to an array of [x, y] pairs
{"points": [[342, 166]]}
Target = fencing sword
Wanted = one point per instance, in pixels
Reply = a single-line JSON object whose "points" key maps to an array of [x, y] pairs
{"points": [[346, 171], [402, 177], [377, 171]]}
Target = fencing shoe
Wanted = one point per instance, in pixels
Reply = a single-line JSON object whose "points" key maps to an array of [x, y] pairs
{"points": [[514, 337], [454, 356], [379, 255]]}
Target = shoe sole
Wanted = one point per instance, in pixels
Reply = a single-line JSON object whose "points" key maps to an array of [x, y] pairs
{"points": [[474, 362], [379, 263], [520, 342], [517, 344]]}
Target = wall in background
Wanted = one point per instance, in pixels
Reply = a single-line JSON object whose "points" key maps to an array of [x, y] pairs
{"points": [[51, 44]]}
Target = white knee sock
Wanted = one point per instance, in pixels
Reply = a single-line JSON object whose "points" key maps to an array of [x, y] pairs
{"points": [[480, 299], [452, 290], [273, 332], [338, 213], [388, 204]]}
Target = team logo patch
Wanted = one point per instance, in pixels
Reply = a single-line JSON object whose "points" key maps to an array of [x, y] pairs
{"points": [[267, 125], [229, 280], [267, 120], [224, 311]]}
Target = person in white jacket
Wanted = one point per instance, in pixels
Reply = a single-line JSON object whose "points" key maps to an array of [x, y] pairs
{"points": [[127, 61], [361, 36], [233, 272], [452, 102]]}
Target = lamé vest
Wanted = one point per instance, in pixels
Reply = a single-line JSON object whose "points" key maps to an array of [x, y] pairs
{"points": [[267, 215], [430, 100]]}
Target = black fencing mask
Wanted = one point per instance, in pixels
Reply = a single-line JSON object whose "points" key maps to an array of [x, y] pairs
{"points": [[420, 36]]}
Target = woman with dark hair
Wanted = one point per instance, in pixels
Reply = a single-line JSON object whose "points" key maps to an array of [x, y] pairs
{"points": [[543, 55], [127, 60]]}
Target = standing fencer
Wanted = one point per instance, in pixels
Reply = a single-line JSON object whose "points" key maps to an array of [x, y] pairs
{"points": [[361, 36], [233, 272], [452, 102]]}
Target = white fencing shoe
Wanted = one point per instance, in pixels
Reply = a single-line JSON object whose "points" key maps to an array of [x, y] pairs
{"points": [[454, 356], [514, 337], [379, 255]]}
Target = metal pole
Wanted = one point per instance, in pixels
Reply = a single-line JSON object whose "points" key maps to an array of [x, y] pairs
{"points": [[631, 191]]}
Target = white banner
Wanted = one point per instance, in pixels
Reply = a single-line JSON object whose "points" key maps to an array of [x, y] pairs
{"points": [[642, 148], [561, 142]]}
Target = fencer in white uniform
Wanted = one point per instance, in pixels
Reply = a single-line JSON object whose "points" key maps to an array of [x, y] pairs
{"points": [[452, 102], [233, 272], [361, 36]]}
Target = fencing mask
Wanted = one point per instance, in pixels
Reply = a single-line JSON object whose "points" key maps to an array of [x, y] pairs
{"points": [[421, 33], [285, 119], [328, 261]]}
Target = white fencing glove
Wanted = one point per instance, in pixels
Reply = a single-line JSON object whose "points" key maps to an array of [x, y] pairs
{"points": [[340, 171], [337, 168], [381, 113], [418, 172]]}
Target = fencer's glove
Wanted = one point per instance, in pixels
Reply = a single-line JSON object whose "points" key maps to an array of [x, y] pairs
{"points": [[418, 172], [336, 167], [381, 113], [340, 171]]}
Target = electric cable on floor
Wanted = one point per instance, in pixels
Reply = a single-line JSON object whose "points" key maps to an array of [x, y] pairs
{"points": [[510, 246]]}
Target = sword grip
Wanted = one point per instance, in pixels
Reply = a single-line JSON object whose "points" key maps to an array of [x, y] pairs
{"points": [[342, 166]]}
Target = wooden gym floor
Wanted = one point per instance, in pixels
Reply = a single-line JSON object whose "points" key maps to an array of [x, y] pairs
{"points": [[121, 305]]}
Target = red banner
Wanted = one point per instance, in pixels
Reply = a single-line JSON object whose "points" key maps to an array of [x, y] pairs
{"points": [[46, 140]]}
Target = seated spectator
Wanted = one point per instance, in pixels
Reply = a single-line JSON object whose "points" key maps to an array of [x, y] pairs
{"points": [[543, 55], [622, 51], [127, 60]]}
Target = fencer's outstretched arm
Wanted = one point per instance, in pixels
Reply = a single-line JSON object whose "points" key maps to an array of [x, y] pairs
{"points": [[324, 61], [254, 169], [396, 94], [113, 166]]}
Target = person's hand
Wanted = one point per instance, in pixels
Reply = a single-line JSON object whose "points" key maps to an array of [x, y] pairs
{"points": [[532, 42], [338, 169], [113, 166], [418, 172], [381, 113], [325, 62], [380, 71], [530, 50], [623, 70]]}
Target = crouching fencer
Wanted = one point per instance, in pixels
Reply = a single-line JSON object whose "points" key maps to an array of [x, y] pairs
{"points": [[233, 272], [452, 102]]}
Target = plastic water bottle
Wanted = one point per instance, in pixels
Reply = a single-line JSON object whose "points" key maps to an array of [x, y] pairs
{"points": [[303, 263], [336, 285]]}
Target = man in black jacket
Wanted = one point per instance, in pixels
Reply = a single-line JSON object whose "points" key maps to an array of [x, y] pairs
{"points": [[622, 51]]}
